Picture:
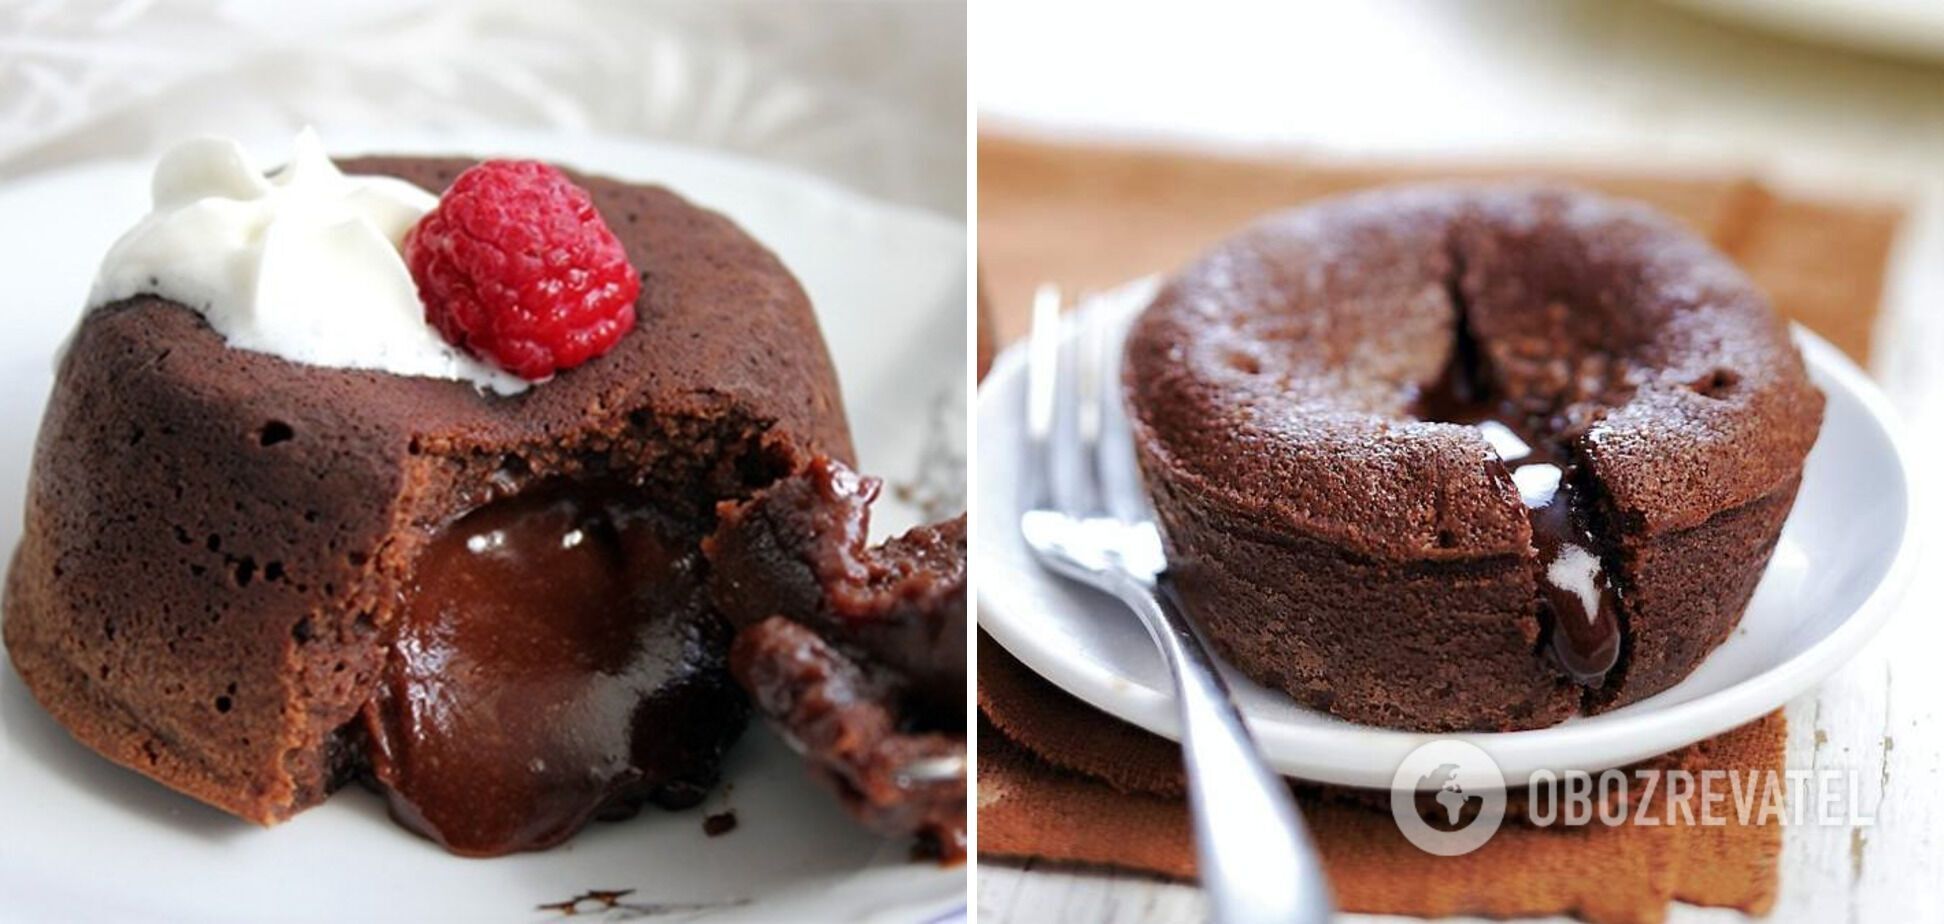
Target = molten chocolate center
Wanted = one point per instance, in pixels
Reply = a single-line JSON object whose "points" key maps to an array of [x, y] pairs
{"points": [[1578, 604], [1573, 582], [557, 661]]}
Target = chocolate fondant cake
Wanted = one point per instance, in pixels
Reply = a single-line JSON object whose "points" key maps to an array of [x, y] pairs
{"points": [[857, 654], [1448, 458], [256, 580]]}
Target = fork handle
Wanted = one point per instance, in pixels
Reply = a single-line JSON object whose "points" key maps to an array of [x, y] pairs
{"points": [[1252, 852]]}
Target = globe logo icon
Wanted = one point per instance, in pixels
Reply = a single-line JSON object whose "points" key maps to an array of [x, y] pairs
{"points": [[1451, 794], [1466, 795]]}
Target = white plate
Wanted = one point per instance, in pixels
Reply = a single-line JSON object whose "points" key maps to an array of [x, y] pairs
{"points": [[1843, 556], [82, 838]]}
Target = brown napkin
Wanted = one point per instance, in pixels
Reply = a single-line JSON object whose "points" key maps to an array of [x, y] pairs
{"points": [[1059, 781]]}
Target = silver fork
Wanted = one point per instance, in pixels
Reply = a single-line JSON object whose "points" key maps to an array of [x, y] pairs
{"points": [[1086, 520]]}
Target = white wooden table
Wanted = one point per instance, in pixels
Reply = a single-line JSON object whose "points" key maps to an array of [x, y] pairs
{"points": [[1634, 83]]}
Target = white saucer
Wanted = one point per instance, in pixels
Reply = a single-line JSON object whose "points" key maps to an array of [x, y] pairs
{"points": [[83, 839], [1844, 555]]}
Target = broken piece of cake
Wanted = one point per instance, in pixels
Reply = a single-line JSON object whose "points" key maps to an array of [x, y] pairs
{"points": [[855, 653]]}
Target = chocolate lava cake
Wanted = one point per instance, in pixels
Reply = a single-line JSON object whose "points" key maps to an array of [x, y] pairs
{"points": [[1445, 458], [255, 581]]}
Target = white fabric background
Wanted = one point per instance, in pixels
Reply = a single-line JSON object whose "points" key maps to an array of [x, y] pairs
{"points": [[870, 94]]}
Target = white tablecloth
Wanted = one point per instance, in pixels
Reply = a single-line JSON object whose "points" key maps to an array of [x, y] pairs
{"points": [[871, 95]]}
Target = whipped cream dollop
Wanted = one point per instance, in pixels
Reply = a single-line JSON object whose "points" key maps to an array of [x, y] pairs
{"points": [[303, 263]]}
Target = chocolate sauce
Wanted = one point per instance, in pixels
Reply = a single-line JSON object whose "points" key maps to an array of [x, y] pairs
{"points": [[1578, 604], [557, 661]]}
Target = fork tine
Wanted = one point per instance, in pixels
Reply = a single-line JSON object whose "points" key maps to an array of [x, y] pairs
{"points": [[1076, 429], [1042, 387], [1114, 457], [1092, 355], [1089, 354]]}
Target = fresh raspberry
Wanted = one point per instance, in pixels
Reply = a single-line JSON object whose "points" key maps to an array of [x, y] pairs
{"points": [[516, 267]]}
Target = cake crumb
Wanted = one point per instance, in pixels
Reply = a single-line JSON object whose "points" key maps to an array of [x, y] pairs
{"points": [[719, 824]]}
